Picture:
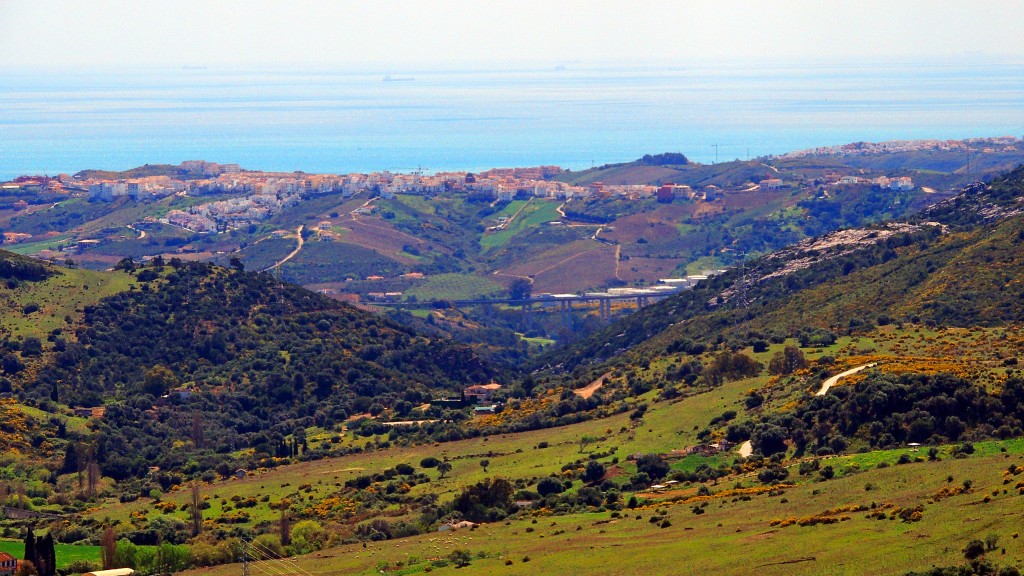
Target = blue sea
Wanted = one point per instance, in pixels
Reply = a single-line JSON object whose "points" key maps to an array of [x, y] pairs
{"points": [[434, 120]]}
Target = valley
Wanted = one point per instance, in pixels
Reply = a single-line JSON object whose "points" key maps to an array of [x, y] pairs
{"points": [[201, 414]]}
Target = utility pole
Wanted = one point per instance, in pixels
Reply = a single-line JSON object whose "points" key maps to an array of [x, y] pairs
{"points": [[245, 557], [716, 152]]}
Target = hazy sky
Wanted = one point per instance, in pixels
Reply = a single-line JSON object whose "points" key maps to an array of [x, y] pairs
{"points": [[425, 33]]}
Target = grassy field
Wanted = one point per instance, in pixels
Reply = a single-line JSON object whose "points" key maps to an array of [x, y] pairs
{"points": [[736, 533], [33, 247], [884, 511], [62, 295], [535, 213], [454, 287], [850, 524], [66, 553]]}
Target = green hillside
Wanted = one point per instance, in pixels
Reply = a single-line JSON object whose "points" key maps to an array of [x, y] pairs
{"points": [[849, 404], [235, 340]]}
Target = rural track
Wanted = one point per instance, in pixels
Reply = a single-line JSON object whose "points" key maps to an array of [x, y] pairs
{"points": [[833, 380], [293, 253]]}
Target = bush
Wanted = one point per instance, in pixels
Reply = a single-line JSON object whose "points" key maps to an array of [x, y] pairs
{"points": [[974, 549], [653, 466], [548, 486]]}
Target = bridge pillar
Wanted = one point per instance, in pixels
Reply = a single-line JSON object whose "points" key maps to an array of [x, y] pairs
{"points": [[527, 315]]}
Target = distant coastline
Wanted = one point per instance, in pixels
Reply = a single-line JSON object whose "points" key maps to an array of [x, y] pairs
{"points": [[323, 122]]}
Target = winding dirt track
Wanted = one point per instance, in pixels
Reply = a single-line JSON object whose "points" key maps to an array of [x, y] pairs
{"points": [[832, 381], [298, 232], [588, 390]]}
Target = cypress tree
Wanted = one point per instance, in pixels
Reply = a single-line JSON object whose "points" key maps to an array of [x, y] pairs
{"points": [[30, 546], [45, 559]]}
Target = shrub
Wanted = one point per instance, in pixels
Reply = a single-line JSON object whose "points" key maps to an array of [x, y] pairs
{"points": [[974, 549]]}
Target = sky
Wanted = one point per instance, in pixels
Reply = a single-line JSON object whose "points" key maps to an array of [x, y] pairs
{"points": [[423, 34]]}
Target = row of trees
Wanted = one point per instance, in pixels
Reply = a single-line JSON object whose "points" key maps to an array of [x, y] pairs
{"points": [[40, 553]]}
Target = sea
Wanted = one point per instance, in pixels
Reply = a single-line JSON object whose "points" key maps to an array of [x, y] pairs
{"points": [[574, 116]]}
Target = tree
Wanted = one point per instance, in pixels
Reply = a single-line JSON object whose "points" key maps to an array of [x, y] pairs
{"points": [[307, 536], [768, 439], [594, 471], [11, 364], [485, 501], [108, 548], [197, 430], [32, 346], [93, 477], [285, 528], [653, 465], [158, 380], [548, 486], [196, 509], [586, 441], [30, 546], [788, 361], [429, 462], [46, 556], [236, 264], [520, 289], [484, 464], [443, 468]]}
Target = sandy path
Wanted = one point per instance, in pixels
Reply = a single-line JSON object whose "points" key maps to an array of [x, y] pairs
{"points": [[746, 449], [588, 390], [832, 381]]}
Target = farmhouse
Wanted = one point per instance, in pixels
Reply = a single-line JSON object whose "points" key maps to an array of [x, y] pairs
{"points": [[8, 563], [704, 449], [481, 393]]}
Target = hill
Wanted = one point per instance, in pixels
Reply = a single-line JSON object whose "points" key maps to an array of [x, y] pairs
{"points": [[224, 359], [373, 234], [861, 386], [951, 265]]}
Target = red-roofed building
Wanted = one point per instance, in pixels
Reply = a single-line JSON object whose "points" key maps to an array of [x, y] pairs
{"points": [[481, 392], [8, 563]]}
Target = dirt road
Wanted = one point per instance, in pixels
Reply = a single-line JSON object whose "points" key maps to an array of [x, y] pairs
{"points": [[588, 390], [298, 232], [832, 381]]}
